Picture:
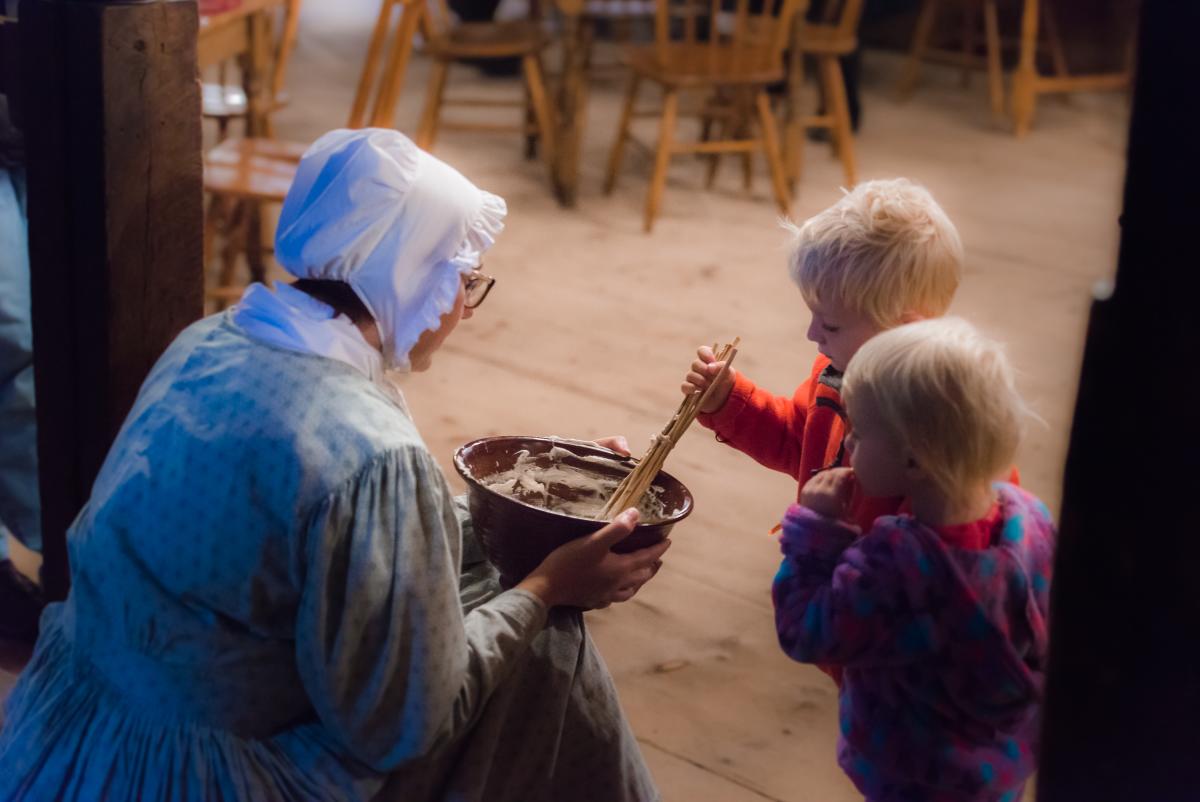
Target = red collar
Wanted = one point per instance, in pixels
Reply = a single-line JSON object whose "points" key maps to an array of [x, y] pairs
{"points": [[974, 535]]}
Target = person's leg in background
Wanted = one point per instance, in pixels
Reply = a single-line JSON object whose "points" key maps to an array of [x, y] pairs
{"points": [[20, 510], [851, 71], [484, 11]]}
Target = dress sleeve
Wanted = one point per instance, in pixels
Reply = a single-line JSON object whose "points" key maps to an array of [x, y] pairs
{"points": [[478, 579], [393, 667], [767, 427], [844, 600], [472, 550]]}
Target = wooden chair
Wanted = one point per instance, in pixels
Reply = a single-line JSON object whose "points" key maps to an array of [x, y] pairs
{"points": [[242, 175], [702, 48], [224, 102], [447, 42], [1028, 81], [967, 56], [826, 42]]}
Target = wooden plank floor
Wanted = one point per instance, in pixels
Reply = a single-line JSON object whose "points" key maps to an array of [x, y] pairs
{"points": [[592, 323]]}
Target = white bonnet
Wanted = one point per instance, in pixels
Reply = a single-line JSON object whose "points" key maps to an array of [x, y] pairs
{"points": [[370, 208]]}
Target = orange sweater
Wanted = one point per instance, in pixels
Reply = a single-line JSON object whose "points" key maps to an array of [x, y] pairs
{"points": [[798, 435]]}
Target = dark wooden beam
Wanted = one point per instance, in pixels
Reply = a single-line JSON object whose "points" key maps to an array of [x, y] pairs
{"points": [[112, 126], [1123, 691]]}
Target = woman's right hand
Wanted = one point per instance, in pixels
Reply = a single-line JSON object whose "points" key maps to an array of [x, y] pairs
{"points": [[587, 573], [704, 371]]}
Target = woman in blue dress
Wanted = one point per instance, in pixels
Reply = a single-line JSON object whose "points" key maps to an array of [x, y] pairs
{"points": [[275, 596]]}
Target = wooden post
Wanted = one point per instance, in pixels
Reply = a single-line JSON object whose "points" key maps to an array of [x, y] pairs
{"points": [[1123, 690], [112, 126]]}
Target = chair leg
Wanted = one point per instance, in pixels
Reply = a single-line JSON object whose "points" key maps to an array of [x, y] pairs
{"points": [[541, 107], [835, 89], [714, 159], [770, 135], [666, 134], [920, 43], [794, 143], [1057, 53], [745, 114], [968, 42], [706, 124], [427, 129], [794, 153], [212, 227], [235, 239], [254, 244], [1025, 77], [531, 139], [994, 67], [618, 151]]}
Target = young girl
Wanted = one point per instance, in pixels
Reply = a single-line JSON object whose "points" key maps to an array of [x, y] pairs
{"points": [[938, 618]]}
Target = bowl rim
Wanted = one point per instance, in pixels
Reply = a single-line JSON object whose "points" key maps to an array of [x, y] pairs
{"points": [[670, 520]]}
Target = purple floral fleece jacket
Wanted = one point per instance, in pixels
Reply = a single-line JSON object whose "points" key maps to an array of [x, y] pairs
{"points": [[943, 648]]}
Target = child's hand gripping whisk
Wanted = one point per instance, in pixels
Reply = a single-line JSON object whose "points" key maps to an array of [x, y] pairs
{"points": [[705, 370]]}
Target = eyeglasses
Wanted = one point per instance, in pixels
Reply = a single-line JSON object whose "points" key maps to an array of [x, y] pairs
{"points": [[477, 286]]}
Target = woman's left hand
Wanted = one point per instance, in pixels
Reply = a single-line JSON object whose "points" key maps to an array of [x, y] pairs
{"points": [[616, 443]]}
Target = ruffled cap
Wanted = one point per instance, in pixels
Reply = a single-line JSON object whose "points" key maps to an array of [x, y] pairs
{"points": [[370, 208]]}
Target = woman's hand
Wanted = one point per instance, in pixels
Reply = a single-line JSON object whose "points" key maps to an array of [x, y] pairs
{"points": [[828, 493], [587, 573], [704, 371]]}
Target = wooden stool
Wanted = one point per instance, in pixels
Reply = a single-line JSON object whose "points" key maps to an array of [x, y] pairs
{"points": [[241, 175], [826, 42], [738, 62], [1029, 83], [447, 42], [967, 57], [224, 102]]}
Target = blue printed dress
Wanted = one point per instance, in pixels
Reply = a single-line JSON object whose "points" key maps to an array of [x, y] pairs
{"points": [[273, 599]]}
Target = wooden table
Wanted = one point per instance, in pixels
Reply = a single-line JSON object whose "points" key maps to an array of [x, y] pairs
{"points": [[245, 32], [1028, 83]]}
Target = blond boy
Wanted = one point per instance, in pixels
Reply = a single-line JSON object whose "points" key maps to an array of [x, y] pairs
{"points": [[883, 255]]}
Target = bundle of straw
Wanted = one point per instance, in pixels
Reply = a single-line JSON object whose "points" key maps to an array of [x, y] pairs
{"points": [[638, 481]]}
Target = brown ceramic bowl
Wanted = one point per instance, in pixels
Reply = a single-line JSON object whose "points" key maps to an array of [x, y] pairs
{"points": [[518, 536]]}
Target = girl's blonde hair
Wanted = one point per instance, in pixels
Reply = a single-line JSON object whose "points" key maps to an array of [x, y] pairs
{"points": [[947, 395], [885, 249]]}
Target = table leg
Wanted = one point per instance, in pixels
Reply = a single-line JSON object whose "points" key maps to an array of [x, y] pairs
{"points": [[572, 107], [255, 68], [254, 242], [793, 139], [1025, 79]]}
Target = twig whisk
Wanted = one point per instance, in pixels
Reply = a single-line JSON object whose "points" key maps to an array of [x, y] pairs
{"points": [[638, 481]]}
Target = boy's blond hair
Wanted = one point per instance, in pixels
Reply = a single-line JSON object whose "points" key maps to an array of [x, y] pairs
{"points": [[885, 249], [947, 395]]}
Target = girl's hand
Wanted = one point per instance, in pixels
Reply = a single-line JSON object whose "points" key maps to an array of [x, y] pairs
{"points": [[587, 573], [615, 443], [704, 371], [828, 493]]}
